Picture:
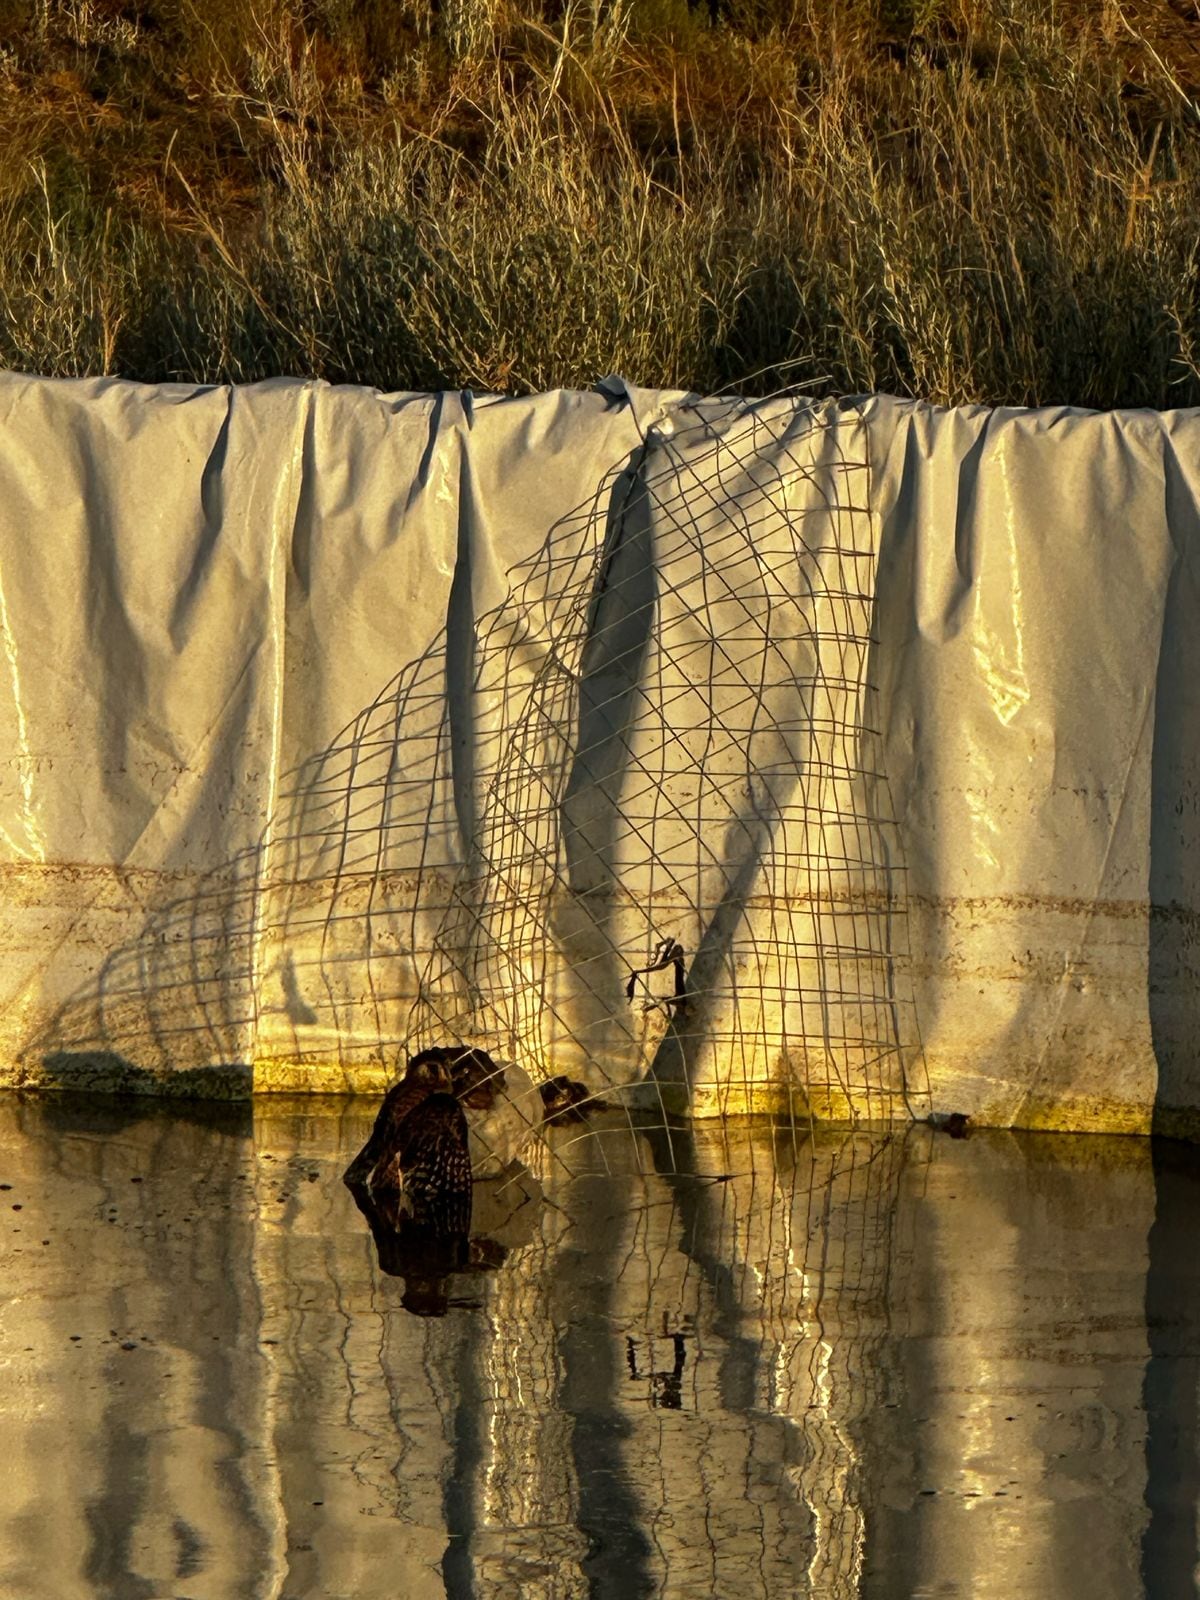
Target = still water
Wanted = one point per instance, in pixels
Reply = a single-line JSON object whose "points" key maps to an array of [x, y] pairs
{"points": [[737, 1362]]}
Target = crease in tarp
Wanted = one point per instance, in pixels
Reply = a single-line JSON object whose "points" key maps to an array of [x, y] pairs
{"points": [[283, 548]]}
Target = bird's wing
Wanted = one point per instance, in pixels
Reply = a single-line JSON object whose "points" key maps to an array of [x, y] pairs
{"points": [[435, 1161], [397, 1104]]}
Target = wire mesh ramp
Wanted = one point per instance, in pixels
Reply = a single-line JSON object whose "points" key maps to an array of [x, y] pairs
{"points": [[627, 824]]}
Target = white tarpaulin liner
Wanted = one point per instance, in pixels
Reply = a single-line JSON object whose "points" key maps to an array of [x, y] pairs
{"points": [[760, 754]]}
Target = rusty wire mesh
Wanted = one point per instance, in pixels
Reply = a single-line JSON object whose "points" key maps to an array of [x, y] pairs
{"points": [[630, 823]]}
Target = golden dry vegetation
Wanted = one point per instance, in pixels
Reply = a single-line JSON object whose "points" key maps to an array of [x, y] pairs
{"points": [[990, 200]]}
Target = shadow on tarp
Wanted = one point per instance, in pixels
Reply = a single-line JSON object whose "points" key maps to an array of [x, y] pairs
{"points": [[109, 1073], [66, 1108], [1174, 886], [1170, 1545], [169, 1012], [172, 1010]]}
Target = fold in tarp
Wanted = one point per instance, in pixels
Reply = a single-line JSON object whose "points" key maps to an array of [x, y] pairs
{"points": [[750, 754]]}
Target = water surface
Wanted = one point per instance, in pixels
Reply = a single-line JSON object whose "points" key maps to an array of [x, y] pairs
{"points": [[738, 1362]]}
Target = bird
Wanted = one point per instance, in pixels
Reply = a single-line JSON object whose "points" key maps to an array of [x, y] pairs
{"points": [[426, 1173], [456, 1115], [427, 1074], [479, 1082], [416, 1164], [501, 1104], [565, 1100]]}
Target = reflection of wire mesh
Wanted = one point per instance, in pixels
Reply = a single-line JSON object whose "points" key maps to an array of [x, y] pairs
{"points": [[676, 1383], [679, 1381], [629, 821], [734, 1329]]}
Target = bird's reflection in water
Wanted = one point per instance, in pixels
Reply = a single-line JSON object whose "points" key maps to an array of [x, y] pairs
{"points": [[441, 1265], [426, 1256], [666, 1387]]}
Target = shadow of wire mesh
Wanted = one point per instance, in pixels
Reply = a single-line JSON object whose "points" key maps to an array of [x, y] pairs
{"points": [[630, 824]]}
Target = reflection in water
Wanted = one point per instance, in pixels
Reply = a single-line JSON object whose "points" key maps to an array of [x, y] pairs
{"points": [[424, 1257], [666, 1388], [433, 1259], [1170, 1553], [719, 1361]]}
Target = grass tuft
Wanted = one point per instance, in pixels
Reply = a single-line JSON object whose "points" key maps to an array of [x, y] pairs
{"points": [[966, 200]]}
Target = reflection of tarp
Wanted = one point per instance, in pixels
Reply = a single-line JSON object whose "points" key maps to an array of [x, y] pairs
{"points": [[762, 752], [851, 1367]]}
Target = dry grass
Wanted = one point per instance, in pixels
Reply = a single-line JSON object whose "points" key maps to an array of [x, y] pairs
{"points": [[963, 199]]}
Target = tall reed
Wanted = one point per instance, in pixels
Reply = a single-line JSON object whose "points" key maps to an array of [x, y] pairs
{"points": [[962, 202]]}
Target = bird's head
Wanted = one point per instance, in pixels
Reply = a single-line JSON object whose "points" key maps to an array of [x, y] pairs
{"points": [[430, 1070], [477, 1079]]}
